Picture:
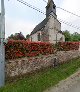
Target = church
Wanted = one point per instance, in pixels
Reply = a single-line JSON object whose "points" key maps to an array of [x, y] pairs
{"points": [[49, 30]]}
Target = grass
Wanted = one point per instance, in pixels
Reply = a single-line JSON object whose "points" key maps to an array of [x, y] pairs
{"points": [[44, 79]]}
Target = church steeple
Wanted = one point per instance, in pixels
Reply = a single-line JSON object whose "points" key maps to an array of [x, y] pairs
{"points": [[2, 8], [50, 8], [49, 1]]}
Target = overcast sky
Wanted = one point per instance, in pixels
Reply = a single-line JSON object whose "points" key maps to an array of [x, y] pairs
{"points": [[20, 18]]}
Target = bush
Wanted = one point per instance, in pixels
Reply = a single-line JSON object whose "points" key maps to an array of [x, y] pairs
{"points": [[66, 46], [21, 48], [16, 49]]}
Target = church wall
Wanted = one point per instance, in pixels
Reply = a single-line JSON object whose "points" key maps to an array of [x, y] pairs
{"points": [[54, 26], [50, 32], [50, 23], [34, 37], [45, 33], [60, 37], [51, 29], [63, 38], [57, 25]]}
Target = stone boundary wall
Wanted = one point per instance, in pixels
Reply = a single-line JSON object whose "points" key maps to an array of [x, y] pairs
{"points": [[26, 65]]}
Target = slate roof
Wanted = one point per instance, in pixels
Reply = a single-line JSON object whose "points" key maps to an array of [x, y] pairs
{"points": [[39, 26]]}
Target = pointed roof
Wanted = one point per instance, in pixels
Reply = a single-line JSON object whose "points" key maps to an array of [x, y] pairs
{"points": [[40, 26], [50, 1]]}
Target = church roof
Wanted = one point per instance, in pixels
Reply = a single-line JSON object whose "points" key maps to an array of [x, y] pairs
{"points": [[40, 26]]}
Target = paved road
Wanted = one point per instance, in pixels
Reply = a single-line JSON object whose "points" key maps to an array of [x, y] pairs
{"points": [[71, 84], [75, 88]]}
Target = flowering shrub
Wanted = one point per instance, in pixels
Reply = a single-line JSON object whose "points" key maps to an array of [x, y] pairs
{"points": [[66, 46], [21, 48], [18, 48]]}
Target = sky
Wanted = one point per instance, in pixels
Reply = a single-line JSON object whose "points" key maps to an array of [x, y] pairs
{"points": [[20, 18]]}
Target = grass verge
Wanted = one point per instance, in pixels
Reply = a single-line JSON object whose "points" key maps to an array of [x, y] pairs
{"points": [[44, 79]]}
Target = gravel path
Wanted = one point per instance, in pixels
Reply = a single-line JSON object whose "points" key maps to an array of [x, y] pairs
{"points": [[71, 84], [75, 88]]}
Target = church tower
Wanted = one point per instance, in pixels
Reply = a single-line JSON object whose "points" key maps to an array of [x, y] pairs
{"points": [[51, 8]]}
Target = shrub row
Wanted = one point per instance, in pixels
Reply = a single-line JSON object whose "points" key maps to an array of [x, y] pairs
{"points": [[66, 46], [15, 49], [18, 48]]}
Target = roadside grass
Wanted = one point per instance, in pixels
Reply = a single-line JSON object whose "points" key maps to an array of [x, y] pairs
{"points": [[43, 80]]}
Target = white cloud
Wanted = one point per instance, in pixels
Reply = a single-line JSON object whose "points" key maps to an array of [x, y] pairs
{"points": [[14, 26], [72, 6], [20, 17]]}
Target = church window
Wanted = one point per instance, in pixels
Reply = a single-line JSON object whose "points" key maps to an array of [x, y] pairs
{"points": [[39, 37], [31, 39]]}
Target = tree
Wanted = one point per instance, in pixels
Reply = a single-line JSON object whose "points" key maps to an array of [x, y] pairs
{"points": [[27, 36], [67, 35], [17, 36], [75, 36], [11, 36]]}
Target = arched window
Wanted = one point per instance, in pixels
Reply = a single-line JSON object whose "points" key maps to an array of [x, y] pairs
{"points": [[39, 37]]}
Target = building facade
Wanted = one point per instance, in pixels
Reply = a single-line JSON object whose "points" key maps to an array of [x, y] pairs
{"points": [[49, 30]]}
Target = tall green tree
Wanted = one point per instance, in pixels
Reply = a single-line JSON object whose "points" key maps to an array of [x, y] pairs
{"points": [[67, 35], [27, 36], [75, 36]]}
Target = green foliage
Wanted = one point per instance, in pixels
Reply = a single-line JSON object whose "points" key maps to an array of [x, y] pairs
{"points": [[67, 35], [75, 36], [17, 36], [71, 37], [27, 36], [43, 80]]}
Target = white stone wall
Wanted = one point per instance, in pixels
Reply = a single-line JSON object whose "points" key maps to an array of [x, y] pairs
{"points": [[35, 36], [59, 36], [54, 27], [18, 67], [57, 25]]}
